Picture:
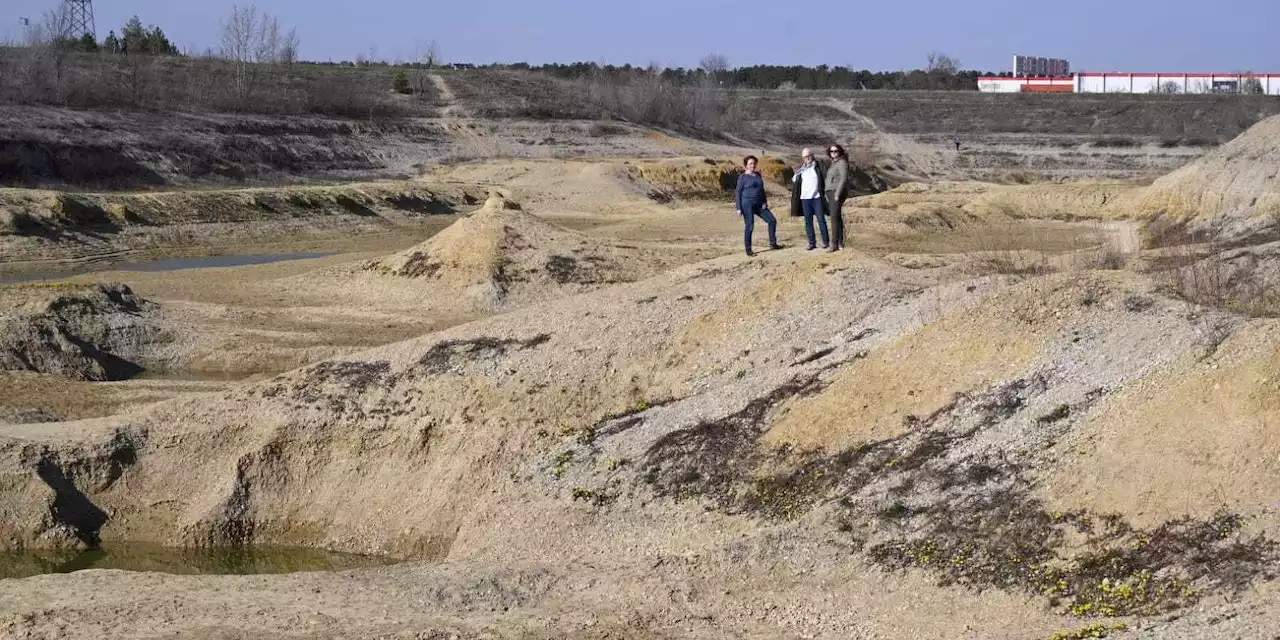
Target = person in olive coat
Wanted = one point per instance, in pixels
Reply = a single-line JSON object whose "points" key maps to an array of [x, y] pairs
{"points": [[836, 187]]}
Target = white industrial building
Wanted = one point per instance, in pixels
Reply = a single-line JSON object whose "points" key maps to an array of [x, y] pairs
{"points": [[1053, 75], [1117, 82], [1120, 82]]}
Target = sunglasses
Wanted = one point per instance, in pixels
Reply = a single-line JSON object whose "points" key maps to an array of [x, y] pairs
{"points": [[833, 151]]}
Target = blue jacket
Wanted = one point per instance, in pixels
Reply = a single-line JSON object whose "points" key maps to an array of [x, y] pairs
{"points": [[750, 191]]}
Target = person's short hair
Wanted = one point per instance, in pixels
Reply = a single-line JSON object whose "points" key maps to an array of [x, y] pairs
{"points": [[749, 159]]}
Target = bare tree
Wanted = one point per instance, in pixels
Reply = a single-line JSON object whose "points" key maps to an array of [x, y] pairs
{"points": [[1168, 87], [48, 41], [56, 25], [942, 63], [239, 35], [425, 57], [714, 64], [432, 56], [702, 103], [289, 47], [251, 41]]}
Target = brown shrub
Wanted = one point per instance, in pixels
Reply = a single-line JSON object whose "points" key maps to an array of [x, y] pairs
{"points": [[1236, 284]]}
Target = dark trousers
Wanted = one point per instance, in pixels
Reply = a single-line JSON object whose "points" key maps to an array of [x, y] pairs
{"points": [[749, 212], [813, 210], [835, 208]]}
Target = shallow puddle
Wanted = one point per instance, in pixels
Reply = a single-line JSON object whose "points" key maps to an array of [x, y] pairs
{"points": [[171, 264], [149, 557], [205, 262]]}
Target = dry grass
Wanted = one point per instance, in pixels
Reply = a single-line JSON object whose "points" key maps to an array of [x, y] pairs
{"points": [[66, 398], [1160, 232], [1239, 287], [644, 99]]}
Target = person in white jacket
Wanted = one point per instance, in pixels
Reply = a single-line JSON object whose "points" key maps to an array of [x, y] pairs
{"points": [[807, 198]]}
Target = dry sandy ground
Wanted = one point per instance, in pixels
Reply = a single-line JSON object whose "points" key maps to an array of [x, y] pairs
{"points": [[616, 539], [1000, 438], [254, 321]]}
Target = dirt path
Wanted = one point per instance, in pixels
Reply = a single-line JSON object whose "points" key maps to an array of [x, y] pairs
{"points": [[1127, 236], [915, 155], [451, 107]]}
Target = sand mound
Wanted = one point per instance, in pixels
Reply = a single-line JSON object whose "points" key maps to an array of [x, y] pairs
{"points": [[501, 255], [1229, 194], [94, 332]]}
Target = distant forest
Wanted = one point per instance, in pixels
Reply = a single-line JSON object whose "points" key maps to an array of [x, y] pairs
{"points": [[802, 78], [783, 77]]}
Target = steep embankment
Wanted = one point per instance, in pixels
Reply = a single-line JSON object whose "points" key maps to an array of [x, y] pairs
{"points": [[1231, 194], [129, 150], [37, 225], [49, 147]]}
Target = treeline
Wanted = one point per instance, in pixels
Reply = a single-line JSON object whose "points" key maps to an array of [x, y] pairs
{"points": [[56, 31], [133, 39], [794, 77], [802, 78]]}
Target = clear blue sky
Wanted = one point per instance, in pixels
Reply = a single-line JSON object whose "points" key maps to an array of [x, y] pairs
{"points": [[1095, 35]]}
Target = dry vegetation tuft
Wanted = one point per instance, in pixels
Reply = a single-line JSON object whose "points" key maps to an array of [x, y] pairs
{"points": [[1239, 284]]}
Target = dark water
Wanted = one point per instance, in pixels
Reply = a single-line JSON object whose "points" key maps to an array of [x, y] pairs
{"points": [[149, 557], [173, 264], [169, 264]]}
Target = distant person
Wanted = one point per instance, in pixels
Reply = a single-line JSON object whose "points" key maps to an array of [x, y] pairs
{"points": [[806, 198], [752, 201], [957, 142], [836, 187]]}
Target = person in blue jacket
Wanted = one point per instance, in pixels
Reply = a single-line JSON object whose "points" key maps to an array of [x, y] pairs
{"points": [[752, 201]]}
